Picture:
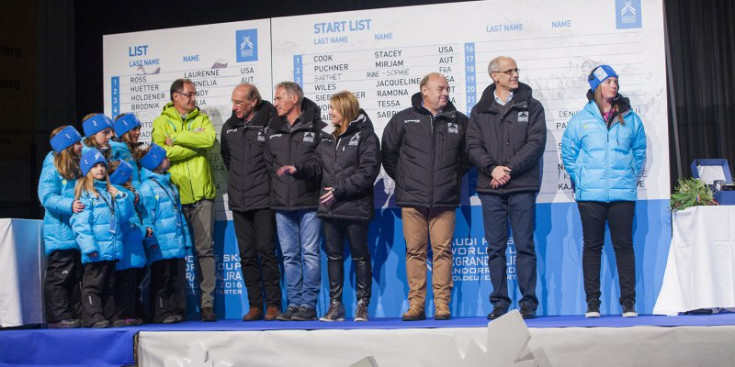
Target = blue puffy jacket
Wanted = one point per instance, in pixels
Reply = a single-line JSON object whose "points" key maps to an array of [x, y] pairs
{"points": [[133, 233], [161, 211], [57, 196], [603, 163], [92, 226], [121, 151]]}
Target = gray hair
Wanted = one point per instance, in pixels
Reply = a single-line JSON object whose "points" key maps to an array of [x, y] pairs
{"points": [[428, 76], [252, 92], [292, 89], [492, 67]]}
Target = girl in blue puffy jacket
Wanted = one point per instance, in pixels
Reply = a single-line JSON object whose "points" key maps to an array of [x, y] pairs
{"points": [[99, 234], [97, 133], [131, 268], [167, 236], [56, 193], [126, 146], [604, 151]]}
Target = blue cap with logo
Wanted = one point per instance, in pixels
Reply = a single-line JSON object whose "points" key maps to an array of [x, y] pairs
{"points": [[125, 123], [599, 74], [122, 174], [153, 158], [90, 159], [65, 138], [95, 124]]}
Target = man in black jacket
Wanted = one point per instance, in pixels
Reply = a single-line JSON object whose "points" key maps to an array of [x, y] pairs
{"points": [[291, 140], [248, 191], [506, 138], [423, 152]]}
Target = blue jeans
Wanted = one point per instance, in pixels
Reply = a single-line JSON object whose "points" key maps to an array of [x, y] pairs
{"points": [[520, 210], [299, 233]]}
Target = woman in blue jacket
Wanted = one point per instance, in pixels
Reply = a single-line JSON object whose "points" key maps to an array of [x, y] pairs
{"points": [[126, 146], [131, 268], [98, 230], [167, 235], [56, 193], [604, 152]]}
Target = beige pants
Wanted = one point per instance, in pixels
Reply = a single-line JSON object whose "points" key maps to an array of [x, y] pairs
{"points": [[418, 225]]}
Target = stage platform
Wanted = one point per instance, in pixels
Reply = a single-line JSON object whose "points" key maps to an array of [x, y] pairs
{"points": [[703, 340]]}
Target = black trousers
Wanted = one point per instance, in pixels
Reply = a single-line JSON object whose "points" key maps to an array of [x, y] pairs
{"points": [[62, 285], [619, 217], [356, 231], [98, 292], [127, 293], [518, 209], [165, 289], [254, 230]]}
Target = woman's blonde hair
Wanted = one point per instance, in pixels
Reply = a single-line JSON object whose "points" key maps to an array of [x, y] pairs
{"points": [[615, 106], [66, 161], [86, 183], [346, 104]]}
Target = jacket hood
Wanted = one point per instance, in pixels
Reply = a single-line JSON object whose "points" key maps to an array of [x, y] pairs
{"points": [[362, 121], [310, 113], [521, 94], [164, 179], [416, 102], [622, 101], [170, 111]]}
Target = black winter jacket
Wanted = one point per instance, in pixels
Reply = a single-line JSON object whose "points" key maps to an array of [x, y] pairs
{"points": [[425, 155], [293, 146], [242, 148], [349, 164], [515, 138]]}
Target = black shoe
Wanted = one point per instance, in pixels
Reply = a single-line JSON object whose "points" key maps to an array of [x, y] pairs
{"points": [[361, 313], [288, 314], [629, 311], [307, 314], [118, 323], [65, 324], [208, 314], [100, 324], [527, 312], [336, 312], [593, 311], [497, 312]]}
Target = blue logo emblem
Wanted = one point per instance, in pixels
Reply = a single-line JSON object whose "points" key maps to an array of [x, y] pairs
{"points": [[628, 14], [246, 41]]}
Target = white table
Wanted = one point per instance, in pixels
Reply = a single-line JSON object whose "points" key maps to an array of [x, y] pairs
{"points": [[22, 262], [700, 271]]}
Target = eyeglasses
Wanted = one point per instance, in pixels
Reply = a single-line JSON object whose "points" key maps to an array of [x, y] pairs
{"points": [[509, 72], [188, 95]]}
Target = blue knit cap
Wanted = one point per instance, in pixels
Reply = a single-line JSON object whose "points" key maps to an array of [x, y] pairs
{"points": [[599, 74], [153, 158], [95, 124], [65, 138], [125, 123], [122, 174], [90, 159]]}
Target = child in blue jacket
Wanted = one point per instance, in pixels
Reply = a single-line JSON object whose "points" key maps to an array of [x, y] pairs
{"points": [[167, 234], [97, 133], [56, 193], [131, 268], [126, 145], [99, 234]]}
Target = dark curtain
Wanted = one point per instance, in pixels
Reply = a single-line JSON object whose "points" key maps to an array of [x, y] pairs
{"points": [[701, 37]]}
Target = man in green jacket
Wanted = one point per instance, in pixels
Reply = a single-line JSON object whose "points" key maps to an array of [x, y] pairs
{"points": [[187, 134]]}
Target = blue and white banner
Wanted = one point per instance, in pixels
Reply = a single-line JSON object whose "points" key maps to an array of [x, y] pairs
{"points": [[381, 55]]}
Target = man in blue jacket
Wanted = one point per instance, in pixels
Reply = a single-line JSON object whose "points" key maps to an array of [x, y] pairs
{"points": [[506, 138]]}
